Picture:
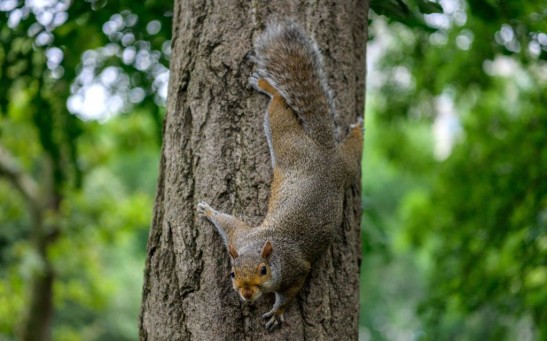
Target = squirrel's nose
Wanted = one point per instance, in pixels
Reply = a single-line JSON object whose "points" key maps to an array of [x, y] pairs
{"points": [[247, 293]]}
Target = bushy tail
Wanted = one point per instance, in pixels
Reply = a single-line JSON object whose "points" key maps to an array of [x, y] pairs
{"points": [[291, 62]]}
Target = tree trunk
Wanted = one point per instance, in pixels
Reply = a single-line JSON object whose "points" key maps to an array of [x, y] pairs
{"points": [[214, 149], [38, 319], [42, 199], [39, 316]]}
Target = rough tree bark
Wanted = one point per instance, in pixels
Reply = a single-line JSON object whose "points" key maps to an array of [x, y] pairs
{"points": [[214, 149]]}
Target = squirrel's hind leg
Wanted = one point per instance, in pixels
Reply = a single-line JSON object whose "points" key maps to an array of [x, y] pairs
{"points": [[283, 129], [351, 150]]}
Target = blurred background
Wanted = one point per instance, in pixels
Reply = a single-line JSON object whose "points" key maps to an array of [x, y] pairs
{"points": [[454, 169]]}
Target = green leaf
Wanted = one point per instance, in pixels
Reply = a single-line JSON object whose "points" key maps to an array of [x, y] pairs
{"points": [[428, 7]]}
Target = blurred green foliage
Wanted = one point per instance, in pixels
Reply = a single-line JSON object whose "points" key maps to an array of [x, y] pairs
{"points": [[456, 243], [76, 195], [99, 254]]}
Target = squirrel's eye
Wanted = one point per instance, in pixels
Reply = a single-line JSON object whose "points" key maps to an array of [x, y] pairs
{"points": [[263, 270], [232, 274]]}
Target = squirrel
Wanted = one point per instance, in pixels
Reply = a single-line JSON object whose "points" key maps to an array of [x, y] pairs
{"points": [[311, 171]]}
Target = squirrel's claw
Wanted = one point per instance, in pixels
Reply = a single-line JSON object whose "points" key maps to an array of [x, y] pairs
{"points": [[358, 124], [253, 81], [275, 320], [204, 210], [268, 314]]}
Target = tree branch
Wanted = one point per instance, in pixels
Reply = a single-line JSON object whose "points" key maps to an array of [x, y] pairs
{"points": [[23, 182]]}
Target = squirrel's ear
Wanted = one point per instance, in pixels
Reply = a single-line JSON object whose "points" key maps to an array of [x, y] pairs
{"points": [[233, 252], [266, 250]]}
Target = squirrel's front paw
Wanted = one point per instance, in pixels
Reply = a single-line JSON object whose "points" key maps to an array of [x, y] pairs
{"points": [[275, 319], [204, 210]]}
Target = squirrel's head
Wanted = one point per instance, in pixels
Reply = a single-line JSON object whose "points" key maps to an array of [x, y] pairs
{"points": [[250, 272]]}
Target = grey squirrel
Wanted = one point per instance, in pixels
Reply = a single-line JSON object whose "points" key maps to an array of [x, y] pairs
{"points": [[311, 171]]}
